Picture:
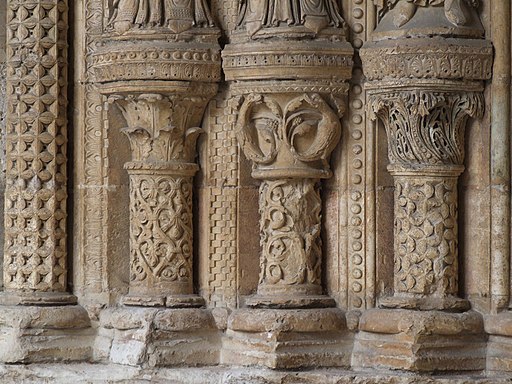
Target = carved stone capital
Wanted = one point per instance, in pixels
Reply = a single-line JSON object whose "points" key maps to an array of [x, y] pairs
{"points": [[161, 128], [425, 128], [288, 135]]}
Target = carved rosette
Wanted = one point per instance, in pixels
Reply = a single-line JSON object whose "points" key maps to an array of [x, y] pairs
{"points": [[35, 260], [425, 66]]}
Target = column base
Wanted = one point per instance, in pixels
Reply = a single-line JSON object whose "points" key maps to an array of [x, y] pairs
{"points": [[174, 301], [44, 334], [290, 301], [420, 341], [157, 337], [287, 338], [499, 346], [37, 298], [445, 303]]}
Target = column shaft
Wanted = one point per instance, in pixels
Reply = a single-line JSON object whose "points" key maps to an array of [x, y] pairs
{"points": [[35, 198], [290, 224], [161, 235], [425, 235]]}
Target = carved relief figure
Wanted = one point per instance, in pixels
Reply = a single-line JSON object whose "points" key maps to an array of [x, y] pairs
{"points": [[313, 14], [404, 10], [177, 15]]}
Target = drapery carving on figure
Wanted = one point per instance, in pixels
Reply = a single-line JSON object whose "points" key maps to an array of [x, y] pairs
{"points": [[177, 15], [456, 11], [313, 14]]}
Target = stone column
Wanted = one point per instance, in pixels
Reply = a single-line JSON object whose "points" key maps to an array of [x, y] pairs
{"points": [[425, 67], [162, 130], [35, 257], [289, 137], [288, 77], [35, 201], [425, 130], [159, 67]]}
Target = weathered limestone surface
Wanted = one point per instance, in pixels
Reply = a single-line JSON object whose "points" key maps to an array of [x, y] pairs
{"points": [[39, 319], [220, 375], [315, 190], [425, 65]]}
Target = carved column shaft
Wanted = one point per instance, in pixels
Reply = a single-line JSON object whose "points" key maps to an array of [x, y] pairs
{"points": [[160, 234], [290, 224], [35, 198], [425, 235]]}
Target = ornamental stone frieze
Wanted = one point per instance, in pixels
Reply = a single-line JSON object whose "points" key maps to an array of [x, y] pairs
{"points": [[157, 64], [288, 64], [425, 68]]}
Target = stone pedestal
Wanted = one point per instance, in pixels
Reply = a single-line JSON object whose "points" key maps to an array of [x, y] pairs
{"points": [[420, 341], [287, 338], [157, 337], [30, 334], [499, 344]]}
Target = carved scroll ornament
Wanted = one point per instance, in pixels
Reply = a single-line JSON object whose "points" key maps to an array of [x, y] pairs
{"points": [[298, 137]]}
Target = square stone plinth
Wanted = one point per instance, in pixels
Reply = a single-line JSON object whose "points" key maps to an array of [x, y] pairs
{"points": [[420, 341], [287, 338], [158, 337], [499, 346], [34, 334]]}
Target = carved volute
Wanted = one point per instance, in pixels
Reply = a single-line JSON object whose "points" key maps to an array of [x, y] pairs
{"points": [[425, 67], [289, 63]]}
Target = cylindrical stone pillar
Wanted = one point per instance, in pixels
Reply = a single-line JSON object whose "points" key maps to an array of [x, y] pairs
{"points": [[290, 224], [35, 260], [425, 233], [162, 129], [425, 131], [161, 236]]}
